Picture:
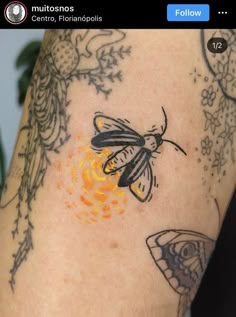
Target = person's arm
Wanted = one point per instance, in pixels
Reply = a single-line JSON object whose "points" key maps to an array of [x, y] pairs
{"points": [[121, 175]]}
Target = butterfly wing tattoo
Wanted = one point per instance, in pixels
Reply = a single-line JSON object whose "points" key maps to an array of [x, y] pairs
{"points": [[182, 257], [132, 159]]}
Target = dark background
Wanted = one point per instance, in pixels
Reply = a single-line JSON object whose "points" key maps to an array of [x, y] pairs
{"points": [[120, 14], [217, 294]]}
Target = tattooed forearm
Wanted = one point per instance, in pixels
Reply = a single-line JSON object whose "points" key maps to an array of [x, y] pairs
{"points": [[218, 104], [66, 56], [134, 157], [182, 257]]}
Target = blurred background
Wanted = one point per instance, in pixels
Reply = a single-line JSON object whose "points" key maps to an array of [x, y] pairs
{"points": [[12, 43], [217, 294]]}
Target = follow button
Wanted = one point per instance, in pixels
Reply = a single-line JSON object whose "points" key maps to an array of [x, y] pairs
{"points": [[188, 12]]}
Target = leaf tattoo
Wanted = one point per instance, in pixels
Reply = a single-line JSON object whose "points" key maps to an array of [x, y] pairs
{"points": [[63, 59]]}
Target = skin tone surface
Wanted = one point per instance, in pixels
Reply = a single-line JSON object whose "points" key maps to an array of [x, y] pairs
{"points": [[122, 172]]}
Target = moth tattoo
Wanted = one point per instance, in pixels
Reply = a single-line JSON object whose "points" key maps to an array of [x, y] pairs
{"points": [[133, 158], [182, 257]]}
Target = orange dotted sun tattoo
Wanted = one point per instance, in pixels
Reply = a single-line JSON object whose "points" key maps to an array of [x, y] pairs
{"points": [[87, 191]]}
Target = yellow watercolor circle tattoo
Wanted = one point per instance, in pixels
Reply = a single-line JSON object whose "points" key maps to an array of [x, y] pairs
{"points": [[87, 190]]}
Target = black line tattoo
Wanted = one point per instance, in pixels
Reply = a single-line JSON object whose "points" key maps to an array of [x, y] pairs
{"points": [[182, 257], [218, 102], [218, 213], [133, 157], [64, 57]]}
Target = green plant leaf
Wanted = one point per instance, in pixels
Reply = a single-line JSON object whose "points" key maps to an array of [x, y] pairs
{"points": [[26, 59], [23, 83], [28, 54]]}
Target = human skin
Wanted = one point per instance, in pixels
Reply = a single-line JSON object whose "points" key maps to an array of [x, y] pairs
{"points": [[90, 240]]}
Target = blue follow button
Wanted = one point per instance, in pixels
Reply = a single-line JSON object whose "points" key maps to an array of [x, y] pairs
{"points": [[188, 12]]}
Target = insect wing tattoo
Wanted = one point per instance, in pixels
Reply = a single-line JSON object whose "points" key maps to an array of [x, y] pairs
{"points": [[182, 257], [133, 159], [64, 58]]}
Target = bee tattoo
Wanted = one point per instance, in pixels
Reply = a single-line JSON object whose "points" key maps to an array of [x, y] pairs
{"points": [[133, 158]]}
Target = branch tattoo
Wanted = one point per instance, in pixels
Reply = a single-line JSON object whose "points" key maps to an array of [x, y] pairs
{"points": [[134, 153], [63, 59], [182, 257]]}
